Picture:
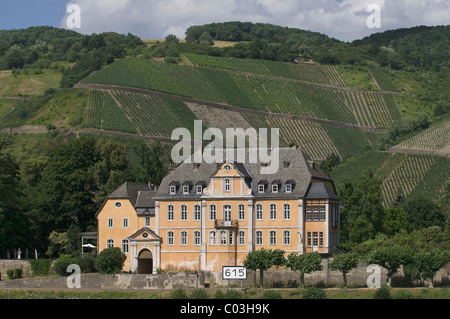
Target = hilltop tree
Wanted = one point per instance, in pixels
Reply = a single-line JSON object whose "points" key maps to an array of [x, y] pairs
{"points": [[305, 263]]}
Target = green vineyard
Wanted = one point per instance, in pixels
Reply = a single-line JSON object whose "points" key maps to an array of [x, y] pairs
{"points": [[435, 138], [399, 174], [264, 93], [311, 73]]}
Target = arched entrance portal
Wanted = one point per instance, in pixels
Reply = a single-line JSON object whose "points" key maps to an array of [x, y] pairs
{"points": [[145, 262]]}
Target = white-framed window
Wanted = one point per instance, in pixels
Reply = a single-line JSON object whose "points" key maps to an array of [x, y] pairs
{"points": [[110, 222], [173, 189], [322, 213], [118, 204], [308, 240], [274, 188], [315, 239], [241, 212], [183, 238], [183, 212], [147, 221], [212, 237], [197, 212], [227, 185], [226, 212], [316, 216], [241, 237], [286, 237], [185, 189], [125, 222], [223, 237], [273, 211], [110, 243], [170, 238], [272, 237], [260, 188], [259, 237], [199, 189], [197, 238], [259, 212], [231, 237], [212, 212], [125, 246], [320, 239], [286, 211], [288, 188], [170, 213]]}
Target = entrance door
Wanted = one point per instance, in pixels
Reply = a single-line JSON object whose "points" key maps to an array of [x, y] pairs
{"points": [[145, 262]]}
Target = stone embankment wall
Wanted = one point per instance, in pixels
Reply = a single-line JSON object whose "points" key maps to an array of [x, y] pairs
{"points": [[190, 280]]}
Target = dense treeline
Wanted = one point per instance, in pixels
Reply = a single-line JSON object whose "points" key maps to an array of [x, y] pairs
{"points": [[64, 187], [39, 47]]}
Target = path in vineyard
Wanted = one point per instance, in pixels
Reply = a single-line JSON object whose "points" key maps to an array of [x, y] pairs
{"points": [[225, 106]]}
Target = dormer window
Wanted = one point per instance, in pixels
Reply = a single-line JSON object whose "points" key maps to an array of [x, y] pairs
{"points": [[185, 189], [286, 164], [173, 189], [274, 188], [199, 189], [261, 188], [288, 188]]}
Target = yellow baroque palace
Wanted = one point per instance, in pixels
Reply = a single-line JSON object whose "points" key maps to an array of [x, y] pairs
{"points": [[205, 216]]}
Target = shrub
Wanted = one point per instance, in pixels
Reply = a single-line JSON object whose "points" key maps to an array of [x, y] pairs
{"points": [[10, 273], [40, 267], [229, 294], [178, 294], [314, 293], [18, 273], [199, 294], [86, 263], [271, 294], [62, 263], [383, 293], [110, 261]]}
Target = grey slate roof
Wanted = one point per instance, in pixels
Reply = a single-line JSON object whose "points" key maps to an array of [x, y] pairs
{"points": [[300, 170], [140, 195], [320, 191]]}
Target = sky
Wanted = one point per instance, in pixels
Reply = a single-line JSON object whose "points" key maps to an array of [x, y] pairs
{"points": [[346, 20]]}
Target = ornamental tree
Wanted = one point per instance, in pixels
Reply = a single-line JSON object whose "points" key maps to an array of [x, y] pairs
{"points": [[344, 263], [429, 262], [262, 260], [306, 263], [391, 258]]}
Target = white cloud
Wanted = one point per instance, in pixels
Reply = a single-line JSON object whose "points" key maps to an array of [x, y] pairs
{"points": [[343, 19]]}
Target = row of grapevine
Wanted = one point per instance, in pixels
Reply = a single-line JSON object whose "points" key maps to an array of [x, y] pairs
{"points": [[435, 138], [369, 108], [383, 80], [95, 109], [310, 136], [405, 177], [155, 116], [311, 73], [113, 117]]}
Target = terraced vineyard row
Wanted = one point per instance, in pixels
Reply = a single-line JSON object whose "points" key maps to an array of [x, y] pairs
{"points": [[405, 177], [312, 73], [369, 108], [435, 138], [260, 93], [95, 109], [154, 115]]}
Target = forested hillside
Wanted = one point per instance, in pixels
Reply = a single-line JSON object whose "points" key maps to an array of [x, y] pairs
{"points": [[372, 113]]}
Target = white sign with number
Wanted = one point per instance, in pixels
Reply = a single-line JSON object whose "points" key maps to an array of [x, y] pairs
{"points": [[234, 273]]}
